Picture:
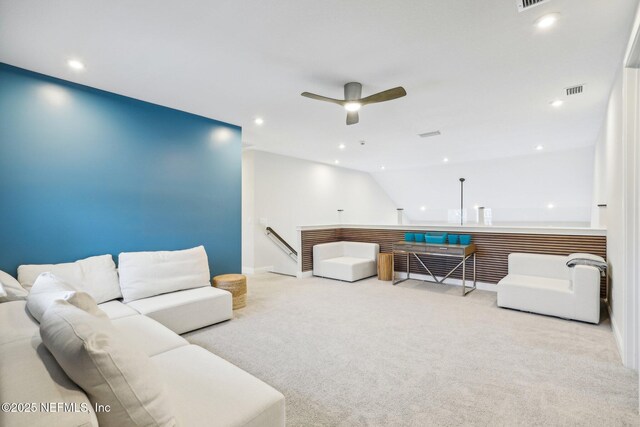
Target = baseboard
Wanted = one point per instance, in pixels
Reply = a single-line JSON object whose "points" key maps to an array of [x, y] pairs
{"points": [[616, 334], [257, 270], [484, 286], [304, 274]]}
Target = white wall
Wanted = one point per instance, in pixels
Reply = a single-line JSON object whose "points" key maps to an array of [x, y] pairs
{"points": [[285, 192], [608, 189], [248, 209], [518, 189], [616, 185]]}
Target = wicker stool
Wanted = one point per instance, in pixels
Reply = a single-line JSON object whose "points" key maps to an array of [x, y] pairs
{"points": [[236, 284], [385, 266]]}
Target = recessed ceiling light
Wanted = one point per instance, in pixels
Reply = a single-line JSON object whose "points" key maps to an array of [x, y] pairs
{"points": [[259, 121], [74, 64], [547, 21], [557, 103], [382, 167], [352, 106], [423, 208], [539, 147], [550, 206], [337, 162], [446, 160], [342, 146]]}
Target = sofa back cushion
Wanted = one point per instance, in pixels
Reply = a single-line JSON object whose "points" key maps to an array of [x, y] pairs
{"points": [[111, 371], [12, 291], [328, 250], [539, 265], [361, 250], [146, 274], [95, 275], [48, 288]]}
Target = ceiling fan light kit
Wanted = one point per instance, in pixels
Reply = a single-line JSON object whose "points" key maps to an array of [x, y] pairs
{"points": [[353, 102]]}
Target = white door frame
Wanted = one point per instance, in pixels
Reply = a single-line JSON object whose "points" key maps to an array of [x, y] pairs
{"points": [[631, 194], [631, 135]]}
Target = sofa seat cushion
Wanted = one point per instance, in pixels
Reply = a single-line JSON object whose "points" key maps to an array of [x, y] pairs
{"points": [[536, 282], [347, 260], [184, 311], [202, 385], [147, 334], [116, 309], [29, 373], [552, 297], [347, 268], [16, 323]]}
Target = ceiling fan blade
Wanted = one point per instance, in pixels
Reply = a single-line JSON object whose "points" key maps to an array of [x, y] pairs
{"points": [[387, 95], [322, 98], [352, 118]]}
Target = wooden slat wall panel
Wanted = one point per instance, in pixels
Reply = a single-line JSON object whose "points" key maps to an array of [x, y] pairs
{"points": [[493, 249]]}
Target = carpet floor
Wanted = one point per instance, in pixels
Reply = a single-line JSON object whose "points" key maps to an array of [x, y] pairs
{"points": [[419, 354]]}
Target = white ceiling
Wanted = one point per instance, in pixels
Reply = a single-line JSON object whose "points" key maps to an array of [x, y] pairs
{"points": [[478, 71]]}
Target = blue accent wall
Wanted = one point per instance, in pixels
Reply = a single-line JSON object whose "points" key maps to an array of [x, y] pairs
{"points": [[86, 172]]}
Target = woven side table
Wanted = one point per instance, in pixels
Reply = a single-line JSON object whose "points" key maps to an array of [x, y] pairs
{"points": [[234, 283]]}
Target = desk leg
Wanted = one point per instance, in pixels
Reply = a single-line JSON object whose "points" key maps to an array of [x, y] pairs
{"points": [[408, 268], [464, 274], [395, 280], [393, 269], [474, 270]]}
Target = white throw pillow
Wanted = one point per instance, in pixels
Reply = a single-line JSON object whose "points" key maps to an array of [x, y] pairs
{"points": [[146, 274], [112, 372], [95, 275], [11, 288], [2, 291], [48, 288]]}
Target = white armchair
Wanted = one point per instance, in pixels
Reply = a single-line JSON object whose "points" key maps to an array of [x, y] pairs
{"points": [[544, 284], [348, 261]]}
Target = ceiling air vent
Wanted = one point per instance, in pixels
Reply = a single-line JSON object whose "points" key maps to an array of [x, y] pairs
{"points": [[574, 90], [527, 4], [429, 134]]}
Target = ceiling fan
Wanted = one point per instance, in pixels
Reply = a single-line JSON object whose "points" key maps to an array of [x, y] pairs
{"points": [[352, 101]]}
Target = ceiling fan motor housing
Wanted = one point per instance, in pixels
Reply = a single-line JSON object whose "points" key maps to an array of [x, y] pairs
{"points": [[352, 91]]}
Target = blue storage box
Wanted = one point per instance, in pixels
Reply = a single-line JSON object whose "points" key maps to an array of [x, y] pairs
{"points": [[419, 237], [453, 239], [438, 238], [465, 239], [408, 237]]}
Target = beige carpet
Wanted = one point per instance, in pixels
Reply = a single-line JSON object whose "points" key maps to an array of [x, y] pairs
{"points": [[368, 353]]}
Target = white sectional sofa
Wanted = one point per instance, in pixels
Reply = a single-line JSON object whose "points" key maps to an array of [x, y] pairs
{"points": [[347, 261], [202, 388], [544, 284], [171, 287]]}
